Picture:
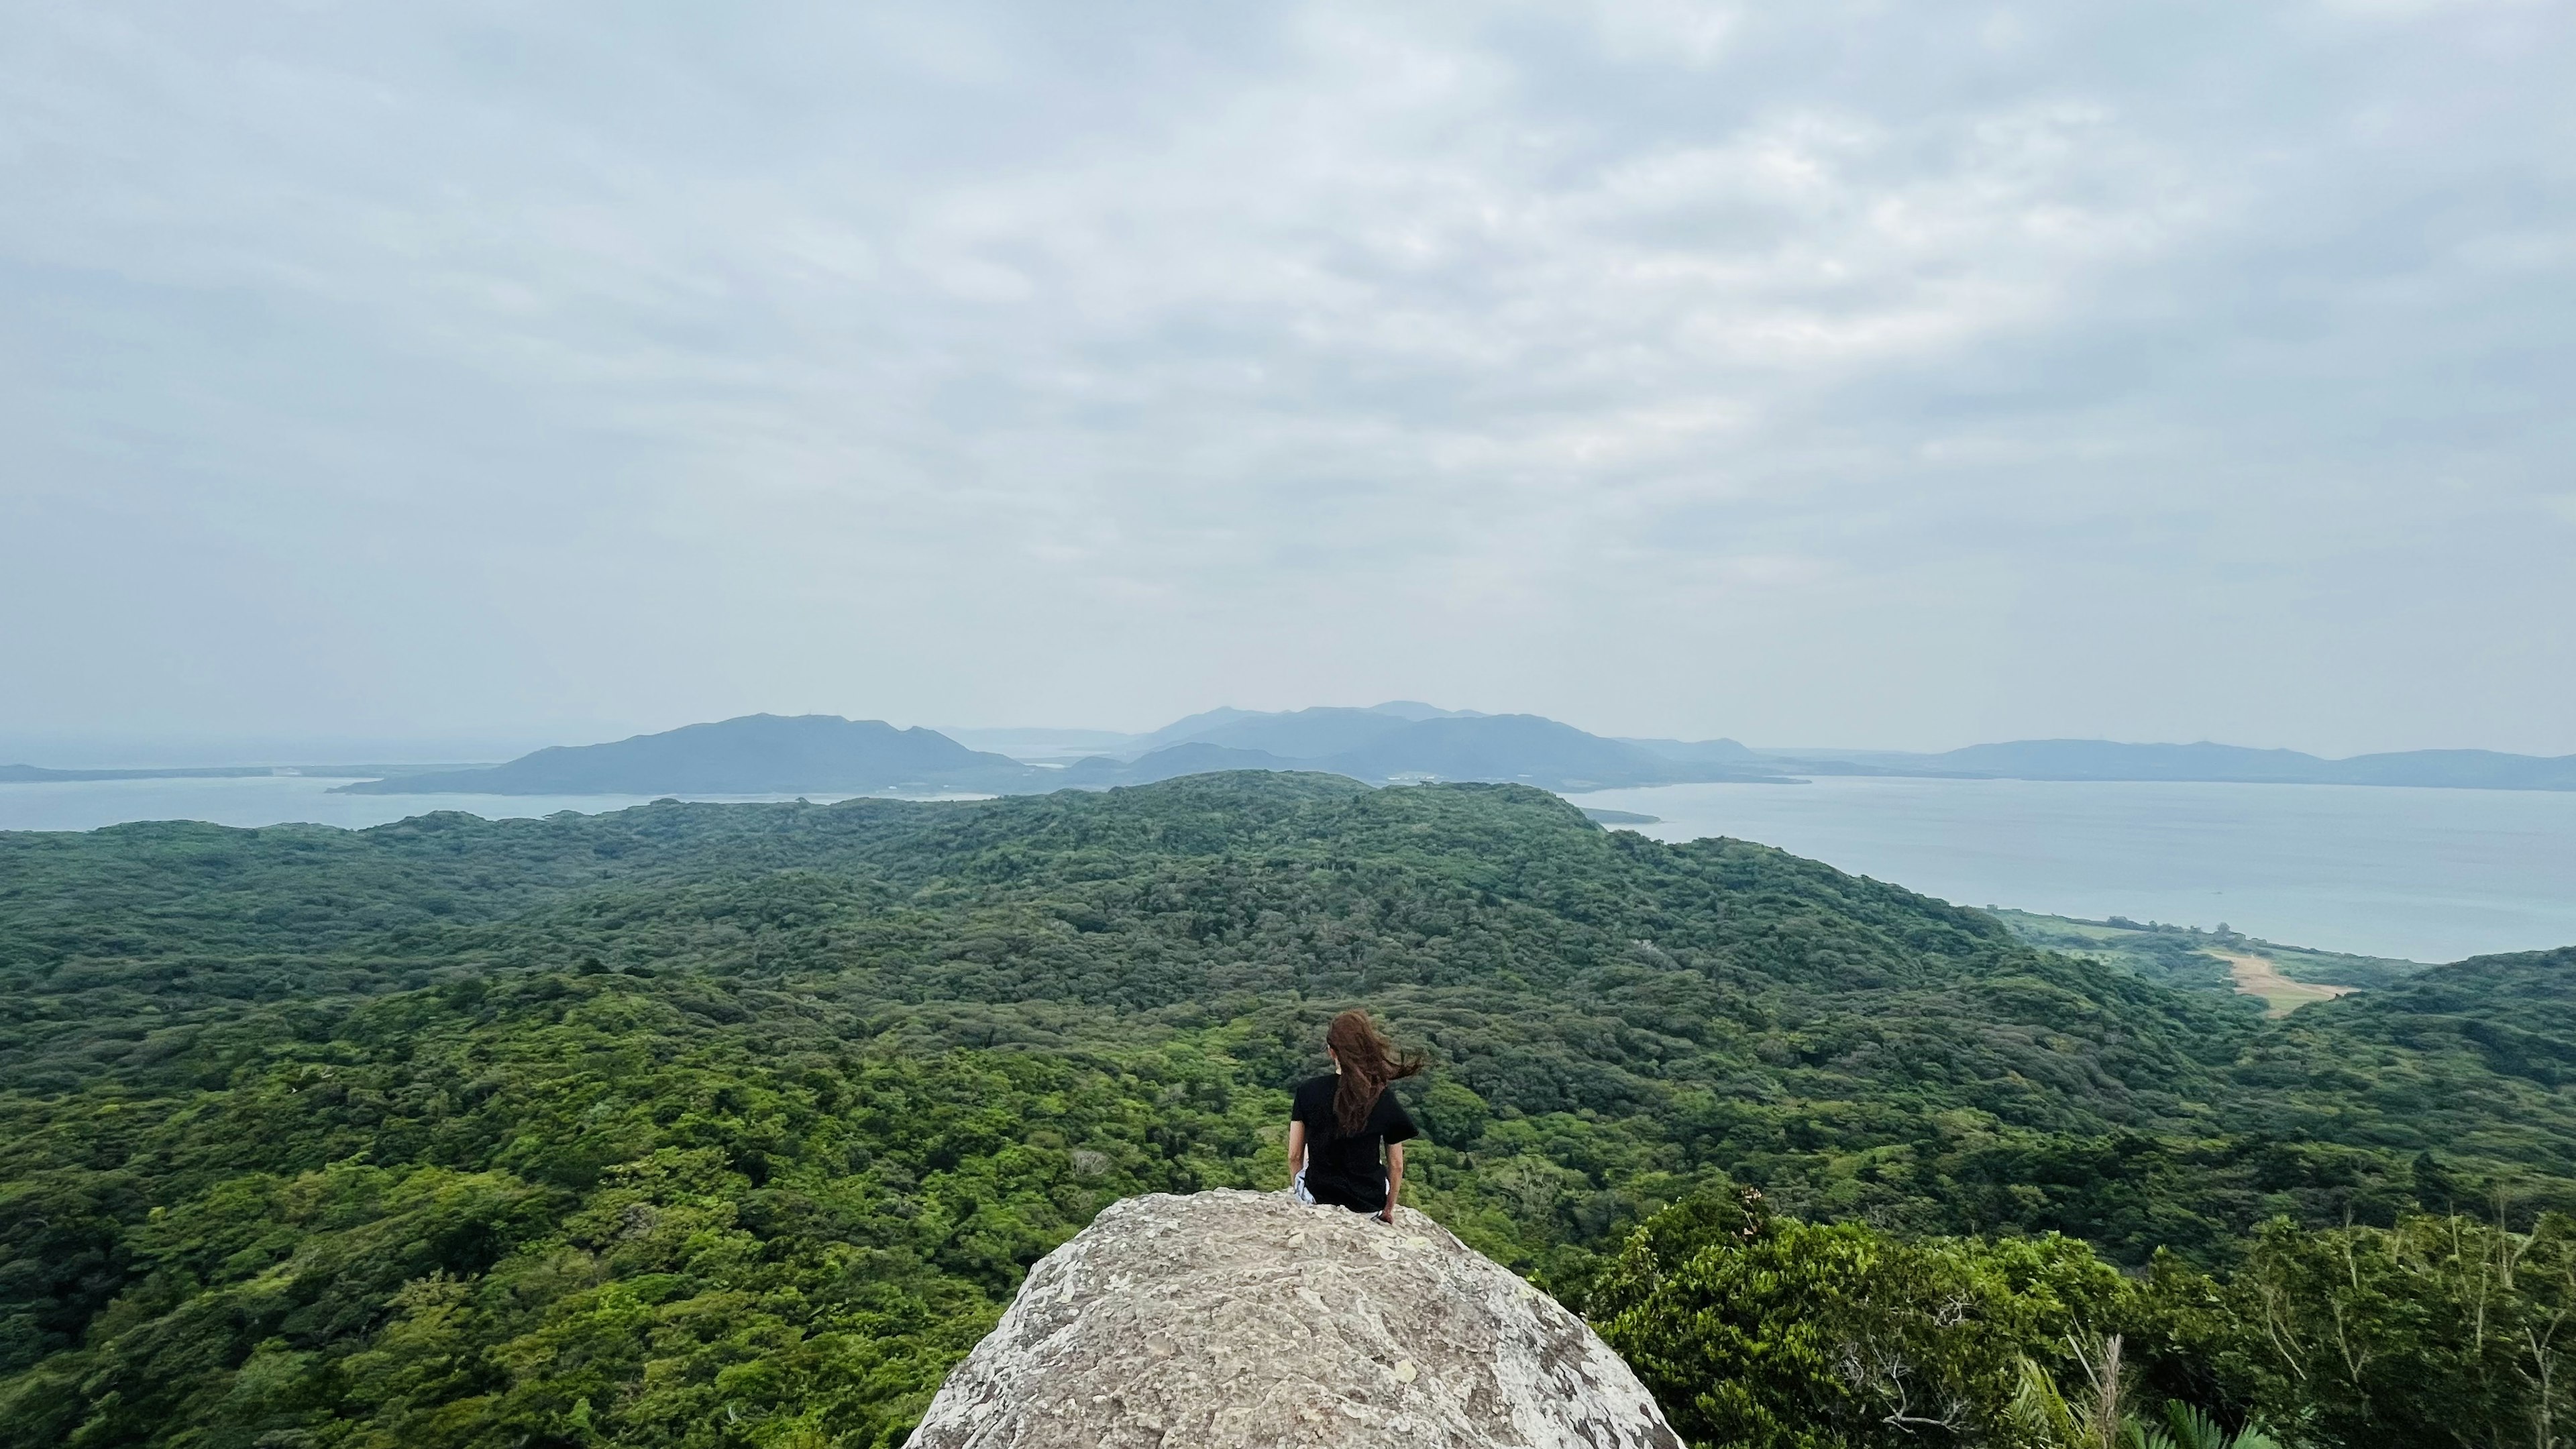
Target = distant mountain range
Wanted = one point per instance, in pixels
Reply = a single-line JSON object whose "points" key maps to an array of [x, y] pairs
{"points": [[1399, 741], [1289, 734], [825, 754], [759, 754], [1306, 733], [1409, 741]]}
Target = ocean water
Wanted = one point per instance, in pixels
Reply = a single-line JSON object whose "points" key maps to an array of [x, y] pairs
{"points": [[2423, 875], [282, 799]]}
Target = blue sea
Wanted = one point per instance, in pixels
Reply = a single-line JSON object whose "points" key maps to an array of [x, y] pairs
{"points": [[2423, 875], [2427, 875]]}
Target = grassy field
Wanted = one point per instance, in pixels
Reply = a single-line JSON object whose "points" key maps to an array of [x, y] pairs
{"points": [[2261, 976], [2282, 978]]}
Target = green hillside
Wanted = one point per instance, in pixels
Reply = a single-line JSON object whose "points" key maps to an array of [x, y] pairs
{"points": [[700, 1124], [2189, 957]]}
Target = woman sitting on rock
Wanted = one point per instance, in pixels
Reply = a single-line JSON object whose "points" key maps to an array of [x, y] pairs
{"points": [[1340, 1122]]}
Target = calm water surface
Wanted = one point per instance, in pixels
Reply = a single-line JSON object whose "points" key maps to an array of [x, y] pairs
{"points": [[280, 799], [2428, 875]]}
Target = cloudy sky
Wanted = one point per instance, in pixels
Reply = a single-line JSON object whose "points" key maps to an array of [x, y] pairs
{"points": [[1838, 373]]}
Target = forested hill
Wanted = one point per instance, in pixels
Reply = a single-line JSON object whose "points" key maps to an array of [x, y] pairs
{"points": [[737, 1123]]}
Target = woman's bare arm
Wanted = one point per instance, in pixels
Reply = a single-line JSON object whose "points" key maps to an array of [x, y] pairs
{"points": [[1394, 1177], [1296, 1150]]}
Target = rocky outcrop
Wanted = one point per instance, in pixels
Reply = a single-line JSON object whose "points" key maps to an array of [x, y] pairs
{"points": [[1243, 1319]]}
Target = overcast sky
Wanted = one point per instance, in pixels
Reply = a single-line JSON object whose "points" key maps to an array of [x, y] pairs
{"points": [[1849, 374]]}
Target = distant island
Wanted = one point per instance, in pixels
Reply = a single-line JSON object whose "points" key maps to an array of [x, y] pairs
{"points": [[2203, 762], [37, 775], [1397, 739], [1409, 740], [1404, 741], [825, 754], [759, 754], [1399, 742]]}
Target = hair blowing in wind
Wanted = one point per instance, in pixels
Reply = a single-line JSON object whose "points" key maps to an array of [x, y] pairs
{"points": [[1368, 1062]]}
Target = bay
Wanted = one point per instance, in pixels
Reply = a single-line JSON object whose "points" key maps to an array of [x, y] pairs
{"points": [[2418, 874], [282, 800]]}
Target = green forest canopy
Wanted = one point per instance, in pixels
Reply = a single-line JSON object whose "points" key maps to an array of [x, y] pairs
{"points": [[736, 1124]]}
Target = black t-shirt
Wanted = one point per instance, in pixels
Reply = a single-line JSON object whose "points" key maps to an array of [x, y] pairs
{"points": [[1345, 1169]]}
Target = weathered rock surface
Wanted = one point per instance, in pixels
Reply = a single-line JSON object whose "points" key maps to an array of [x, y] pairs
{"points": [[1243, 1319]]}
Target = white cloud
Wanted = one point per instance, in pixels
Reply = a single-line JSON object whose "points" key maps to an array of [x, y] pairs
{"points": [[1000, 363]]}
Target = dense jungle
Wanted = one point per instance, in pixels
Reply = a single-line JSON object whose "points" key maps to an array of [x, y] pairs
{"points": [[736, 1125]]}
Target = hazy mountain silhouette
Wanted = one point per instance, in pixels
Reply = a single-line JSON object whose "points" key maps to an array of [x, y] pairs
{"points": [[1304, 734], [1401, 740], [1514, 747], [1190, 727], [752, 755], [1407, 740], [1703, 752], [1198, 757]]}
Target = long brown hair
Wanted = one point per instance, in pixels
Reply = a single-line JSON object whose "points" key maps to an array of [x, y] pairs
{"points": [[1368, 1061]]}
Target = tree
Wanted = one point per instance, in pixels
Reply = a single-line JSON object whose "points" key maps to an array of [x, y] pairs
{"points": [[1777, 1334]]}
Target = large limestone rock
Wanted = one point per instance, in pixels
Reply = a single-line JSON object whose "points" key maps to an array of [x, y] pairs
{"points": [[1241, 1319]]}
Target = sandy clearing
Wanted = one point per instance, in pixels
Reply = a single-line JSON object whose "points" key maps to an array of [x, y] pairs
{"points": [[2257, 976]]}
